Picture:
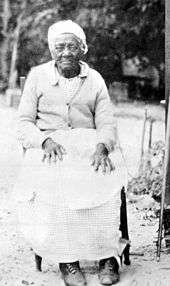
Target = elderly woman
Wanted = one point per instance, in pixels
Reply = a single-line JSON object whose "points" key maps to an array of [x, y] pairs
{"points": [[68, 188]]}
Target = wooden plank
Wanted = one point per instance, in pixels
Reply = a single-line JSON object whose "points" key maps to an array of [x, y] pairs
{"points": [[167, 115], [165, 199]]}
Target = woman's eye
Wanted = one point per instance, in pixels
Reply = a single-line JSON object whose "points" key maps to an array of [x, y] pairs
{"points": [[73, 47], [69, 47], [59, 48]]}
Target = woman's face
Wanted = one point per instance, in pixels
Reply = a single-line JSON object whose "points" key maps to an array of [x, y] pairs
{"points": [[67, 51]]}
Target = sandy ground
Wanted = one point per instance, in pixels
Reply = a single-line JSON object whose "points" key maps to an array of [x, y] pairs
{"points": [[16, 259]]}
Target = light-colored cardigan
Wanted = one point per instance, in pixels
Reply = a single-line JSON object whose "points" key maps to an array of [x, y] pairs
{"points": [[44, 107]]}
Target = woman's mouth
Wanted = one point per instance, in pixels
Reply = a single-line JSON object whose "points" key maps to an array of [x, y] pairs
{"points": [[66, 60]]}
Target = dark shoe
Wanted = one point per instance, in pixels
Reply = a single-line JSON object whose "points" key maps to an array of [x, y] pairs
{"points": [[108, 271], [72, 274], [38, 261]]}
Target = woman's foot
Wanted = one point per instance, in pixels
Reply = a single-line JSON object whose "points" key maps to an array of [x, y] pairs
{"points": [[38, 260], [108, 271], [72, 274]]}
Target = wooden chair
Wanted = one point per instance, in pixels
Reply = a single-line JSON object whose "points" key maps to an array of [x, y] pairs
{"points": [[123, 217]]}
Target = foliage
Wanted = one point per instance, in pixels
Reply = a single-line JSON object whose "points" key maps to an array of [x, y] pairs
{"points": [[150, 179], [116, 29]]}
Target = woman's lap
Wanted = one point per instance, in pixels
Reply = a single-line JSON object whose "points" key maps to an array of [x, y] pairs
{"points": [[53, 224]]}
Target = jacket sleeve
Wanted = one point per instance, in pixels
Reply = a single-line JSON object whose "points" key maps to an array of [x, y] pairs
{"points": [[104, 120], [28, 133]]}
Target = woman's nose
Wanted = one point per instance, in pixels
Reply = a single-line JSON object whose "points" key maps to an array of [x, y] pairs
{"points": [[66, 51]]}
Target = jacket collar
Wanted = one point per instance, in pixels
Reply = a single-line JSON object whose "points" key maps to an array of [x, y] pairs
{"points": [[54, 75]]}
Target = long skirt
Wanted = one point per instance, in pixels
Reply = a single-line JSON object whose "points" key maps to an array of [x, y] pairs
{"points": [[66, 210]]}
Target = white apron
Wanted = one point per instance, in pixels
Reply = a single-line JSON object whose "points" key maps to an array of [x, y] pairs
{"points": [[67, 211]]}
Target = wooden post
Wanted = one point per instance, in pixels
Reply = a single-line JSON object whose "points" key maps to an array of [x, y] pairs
{"points": [[167, 95], [165, 198], [151, 121], [166, 211], [166, 185], [22, 83], [167, 123], [142, 141], [167, 160], [164, 218]]}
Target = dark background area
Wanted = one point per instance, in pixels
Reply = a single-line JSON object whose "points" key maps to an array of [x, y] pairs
{"points": [[118, 31]]}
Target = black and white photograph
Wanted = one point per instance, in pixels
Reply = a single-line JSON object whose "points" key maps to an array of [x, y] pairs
{"points": [[84, 142]]}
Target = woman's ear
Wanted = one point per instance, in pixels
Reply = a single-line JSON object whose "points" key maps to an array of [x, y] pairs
{"points": [[82, 52], [81, 55], [52, 53], [84, 48]]}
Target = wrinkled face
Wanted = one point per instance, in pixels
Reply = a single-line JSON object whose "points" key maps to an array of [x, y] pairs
{"points": [[67, 51]]}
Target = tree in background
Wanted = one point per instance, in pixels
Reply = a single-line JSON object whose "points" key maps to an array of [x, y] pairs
{"points": [[115, 29], [21, 20]]}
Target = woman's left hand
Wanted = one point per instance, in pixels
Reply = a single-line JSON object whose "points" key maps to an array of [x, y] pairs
{"points": [[100, 159]]}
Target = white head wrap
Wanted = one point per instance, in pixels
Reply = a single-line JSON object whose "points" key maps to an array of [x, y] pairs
{"points": [[66, 26]]}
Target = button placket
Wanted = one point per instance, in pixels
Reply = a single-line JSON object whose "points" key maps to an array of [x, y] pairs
{"points": [[69, 98], [68, 115]]}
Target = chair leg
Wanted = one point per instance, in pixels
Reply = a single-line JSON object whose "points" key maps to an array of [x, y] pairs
{"points": [[124, 226], [126, 255], [38, 260]]}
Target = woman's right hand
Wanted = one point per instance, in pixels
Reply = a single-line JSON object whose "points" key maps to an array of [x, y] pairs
{"points": [[52, 151]]}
